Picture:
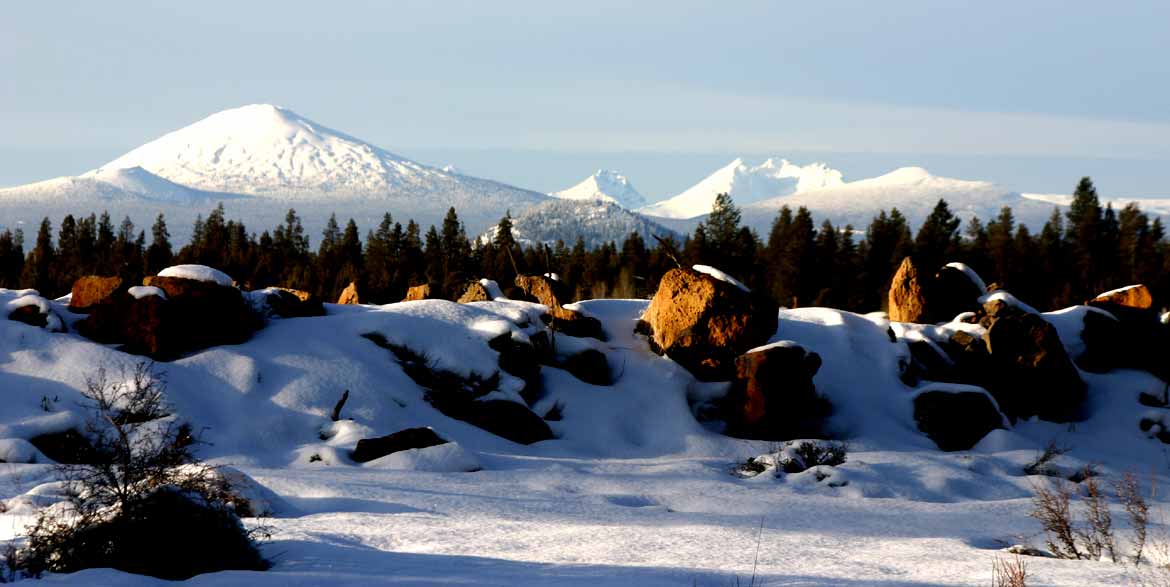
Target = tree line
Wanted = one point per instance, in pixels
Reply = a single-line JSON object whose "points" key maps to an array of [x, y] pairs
{"points": [[1082, 251]]}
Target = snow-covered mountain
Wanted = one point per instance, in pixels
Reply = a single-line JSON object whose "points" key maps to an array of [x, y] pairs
{"points": [[596, 221], [261, 160], [746, 184], [606, 185], [912, 190], [112, 184]]}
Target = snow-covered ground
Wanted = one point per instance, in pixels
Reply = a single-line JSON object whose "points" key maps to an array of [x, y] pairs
{"points": [[633, 491]]}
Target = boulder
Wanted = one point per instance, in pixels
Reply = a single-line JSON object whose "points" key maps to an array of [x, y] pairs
{"points": [[520, 359], [475, 292], [90, 290], [368, 449], [956, 420], [952, 292], [907, 296], [349, 295], [421, 292], [704, 323], [1029, 371], [773, 397], [1132, 296], [292, 303], [590, 366]]}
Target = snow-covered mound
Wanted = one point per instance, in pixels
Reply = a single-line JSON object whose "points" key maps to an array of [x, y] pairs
{"points": [[746, 184], [606, 185], [912, 190], [198, 273], [633, 489], [596, 221]]}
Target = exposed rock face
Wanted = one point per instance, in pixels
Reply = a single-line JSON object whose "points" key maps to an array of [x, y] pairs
{"points": [[90, 290], [520, 359], [67, 447], [349, 295], [293, 303], [503, 418], [1134, 296], [475, 292], [368, 449], [194, 315], [703, 323], [548, 292], [956, 420], [907, 298], [420, 292], [773, 397]]}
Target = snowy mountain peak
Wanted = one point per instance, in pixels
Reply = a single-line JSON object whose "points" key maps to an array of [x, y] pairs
{"points": [[747, 184], [606, 185], [266, 149], [905, 175]]}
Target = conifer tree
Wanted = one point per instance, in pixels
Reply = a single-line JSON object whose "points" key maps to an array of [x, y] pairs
{"points": [[159, 254], [38, 267]]}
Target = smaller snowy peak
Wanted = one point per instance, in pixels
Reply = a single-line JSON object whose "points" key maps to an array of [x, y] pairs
{"points": [[605, 185], [747, 184]]}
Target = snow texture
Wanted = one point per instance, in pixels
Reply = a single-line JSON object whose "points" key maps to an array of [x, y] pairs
{"points": [[141, 291], [721, 276], [197, 273]]}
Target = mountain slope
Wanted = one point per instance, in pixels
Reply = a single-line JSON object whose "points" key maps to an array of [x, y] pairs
{"points": [[746, 184], [596, 221], [108, 184], [606, 185], [912, 190]]}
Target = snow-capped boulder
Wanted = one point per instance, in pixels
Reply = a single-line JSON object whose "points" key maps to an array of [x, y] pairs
{"points": [[955, 290], [956, 419], [704, 323], [349, 295], [198, 273], [448, 457], [1118, 336], [90, 290], [1132, 296], [368, 449], [34, 310], [773, 397], [907, 296]]}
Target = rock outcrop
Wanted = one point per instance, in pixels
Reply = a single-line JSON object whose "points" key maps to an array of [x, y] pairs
{"points": [[927, 299], [907, 298], [704, 323], [475, 292], [548, 292], [368, 449], [292, 303], [421, 292]]}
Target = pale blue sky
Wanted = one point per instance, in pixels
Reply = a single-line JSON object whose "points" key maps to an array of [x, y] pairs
{"points": [[1031, 94]]}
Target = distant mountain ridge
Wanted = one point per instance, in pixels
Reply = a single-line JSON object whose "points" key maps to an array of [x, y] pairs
{"points": [[606, 185]]}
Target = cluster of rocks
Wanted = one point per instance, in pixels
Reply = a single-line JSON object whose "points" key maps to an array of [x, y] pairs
{"points": [[719, 331], [169, 315], [1015, 362]]}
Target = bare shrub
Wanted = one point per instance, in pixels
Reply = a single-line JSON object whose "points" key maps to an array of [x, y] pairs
{"points": [[1042, 465], [1051, 501], [140, 502], [801, 455], [1129, 493], [1009, 572], [1098, 535]]}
